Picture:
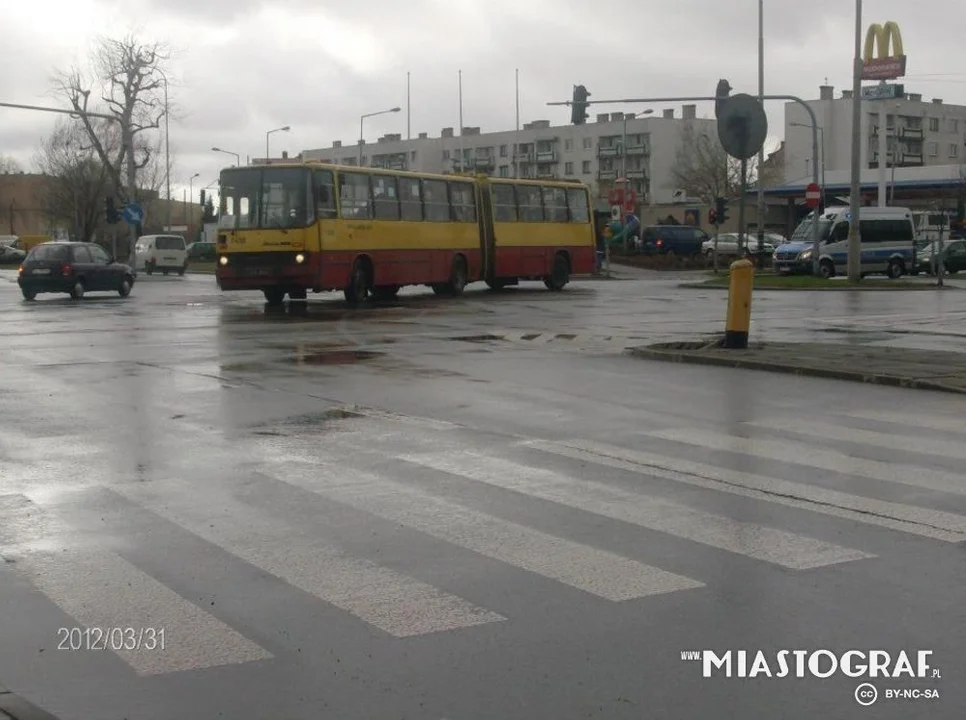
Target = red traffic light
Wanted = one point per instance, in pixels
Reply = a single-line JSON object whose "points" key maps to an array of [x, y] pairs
{"points": [[712, 216]]}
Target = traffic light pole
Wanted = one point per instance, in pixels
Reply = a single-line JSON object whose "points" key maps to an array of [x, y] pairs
{"points": [[786, 98]]}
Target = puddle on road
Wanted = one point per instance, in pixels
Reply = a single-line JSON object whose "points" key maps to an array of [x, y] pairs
{"points": [[334, 357], [476, 338]]}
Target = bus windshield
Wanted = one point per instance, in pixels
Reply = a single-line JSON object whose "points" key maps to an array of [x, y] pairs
{"points": [[803, 233], [265, 198]]}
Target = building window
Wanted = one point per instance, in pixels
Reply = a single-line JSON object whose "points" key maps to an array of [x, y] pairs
{"points": [[954, 126], [568, 145], [588, 143], [445, 154], [933, 149], [585, 167], [953, 150], [412, 156], [504, 171], [502, 150], [933, 124], [568, 168]]}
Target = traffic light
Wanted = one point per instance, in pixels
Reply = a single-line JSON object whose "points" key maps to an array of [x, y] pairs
{"points": [[721, 210], [578, 112], [202, 197], [712, 217], [110, 212]]}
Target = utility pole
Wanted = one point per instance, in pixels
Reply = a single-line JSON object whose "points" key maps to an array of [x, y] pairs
{"points": [[855, 237], [762, 210]]}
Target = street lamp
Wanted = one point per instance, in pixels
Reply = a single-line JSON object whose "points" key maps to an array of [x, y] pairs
{"points": [[362, 118], [624, 140], [167, 145], [822, 131], [267, 152], [229, 152]]}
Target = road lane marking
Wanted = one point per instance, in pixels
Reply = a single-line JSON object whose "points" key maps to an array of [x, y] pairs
{"points": [[388, 600], [598, 572], [756, 541], [889, 441], [101, 590], [910, 519], [817, 456], [945, 423]]}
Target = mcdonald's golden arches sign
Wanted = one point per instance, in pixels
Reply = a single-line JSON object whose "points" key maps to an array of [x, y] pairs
{"points": [[890, 61]]}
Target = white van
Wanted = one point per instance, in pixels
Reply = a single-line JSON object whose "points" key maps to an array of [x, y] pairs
{"points": [[888, 242], [167, 253]]}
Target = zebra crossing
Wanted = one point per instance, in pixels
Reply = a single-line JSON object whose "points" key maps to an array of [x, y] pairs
{"points": [[333, 518]]}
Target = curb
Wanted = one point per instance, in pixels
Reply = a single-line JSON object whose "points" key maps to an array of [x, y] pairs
{"points": [[898, 288], [768, 365], [16, 708]]}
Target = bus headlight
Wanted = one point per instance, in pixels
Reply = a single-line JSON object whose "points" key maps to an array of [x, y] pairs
{"points": [[300, 258], [223, 260]]}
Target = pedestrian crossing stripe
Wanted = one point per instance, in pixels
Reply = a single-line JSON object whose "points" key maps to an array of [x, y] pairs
{"points": [[388, 600]]}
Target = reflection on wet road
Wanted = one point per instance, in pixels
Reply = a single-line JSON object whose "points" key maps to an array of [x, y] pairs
{"points": [[466, 508]]}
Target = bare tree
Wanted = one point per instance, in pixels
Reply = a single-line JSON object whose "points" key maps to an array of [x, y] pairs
{"points": [[128, 75], [704, 170], [9, 166], [77, 181]]}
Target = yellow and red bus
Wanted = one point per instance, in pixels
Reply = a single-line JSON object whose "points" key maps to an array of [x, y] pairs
{"points": [[287, 229]]}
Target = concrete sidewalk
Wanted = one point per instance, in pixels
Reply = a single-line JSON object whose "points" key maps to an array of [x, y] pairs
{"points": [[902, 367]]}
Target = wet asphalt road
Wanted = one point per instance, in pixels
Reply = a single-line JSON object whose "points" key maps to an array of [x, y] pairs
{"points": [[466, 509]]}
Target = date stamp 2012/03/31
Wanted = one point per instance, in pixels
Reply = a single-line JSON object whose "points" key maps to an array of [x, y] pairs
{"points": [[110, 638]]}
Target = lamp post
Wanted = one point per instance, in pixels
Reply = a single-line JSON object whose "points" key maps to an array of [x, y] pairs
{"points": [[362, 119], [189, 203], [267, 152], [821, 131], [167, 145], [855, 232], [229, 152]]}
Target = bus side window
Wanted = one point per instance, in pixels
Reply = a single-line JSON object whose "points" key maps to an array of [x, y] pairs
{"points": [[324, 195], [354, 197], [504, 203]]}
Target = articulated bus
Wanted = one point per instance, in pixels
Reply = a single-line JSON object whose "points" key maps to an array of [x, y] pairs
{"points": [[288, 229]]}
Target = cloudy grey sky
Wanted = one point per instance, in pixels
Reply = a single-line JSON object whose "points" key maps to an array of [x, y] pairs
{"points": [[246, 66]]}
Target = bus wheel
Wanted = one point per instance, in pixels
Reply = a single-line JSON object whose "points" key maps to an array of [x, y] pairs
{"points": [[358, 287], [895, 269], [274, 296], [559, 275], [300, 294], [385, 292], [457, 282], [826, 269]]}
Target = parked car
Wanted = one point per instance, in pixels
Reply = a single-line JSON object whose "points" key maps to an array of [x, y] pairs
{"points": [[672, 240], [728, 244], [166, 253], [74, 268], [202, 251], [953, 250], [10, 255]]}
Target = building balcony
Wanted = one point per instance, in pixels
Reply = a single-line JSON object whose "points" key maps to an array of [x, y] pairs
{"points": [[610, 151], [546, 174], [547, 156], [907, 133], [635, 174], [606, 174], [633, 150]]}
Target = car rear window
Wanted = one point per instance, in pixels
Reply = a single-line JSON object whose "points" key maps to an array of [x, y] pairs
{"points": [[49, 252], [169, 243]]}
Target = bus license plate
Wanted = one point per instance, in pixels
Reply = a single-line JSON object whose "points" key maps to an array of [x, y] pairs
{"points": [[258, 272]]}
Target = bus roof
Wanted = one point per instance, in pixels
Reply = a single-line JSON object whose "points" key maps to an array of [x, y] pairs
{"points": [[317, 164]]}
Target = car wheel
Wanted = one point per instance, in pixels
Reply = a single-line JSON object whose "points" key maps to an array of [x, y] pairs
{"points": [[895, 269], [124, 289], [77, 292], [826, 269], [28, 294]]}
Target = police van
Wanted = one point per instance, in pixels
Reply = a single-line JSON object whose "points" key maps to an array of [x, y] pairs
{"points": [[888, 242]]}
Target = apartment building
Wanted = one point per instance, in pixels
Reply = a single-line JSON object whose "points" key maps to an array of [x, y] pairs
{"points": [[593, 152], [919, 133]]}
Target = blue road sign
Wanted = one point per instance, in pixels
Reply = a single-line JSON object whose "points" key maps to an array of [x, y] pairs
{"points": [[133, 214]]}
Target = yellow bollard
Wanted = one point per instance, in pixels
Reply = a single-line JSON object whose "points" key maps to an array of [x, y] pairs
{"points": [[740, 285]]}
